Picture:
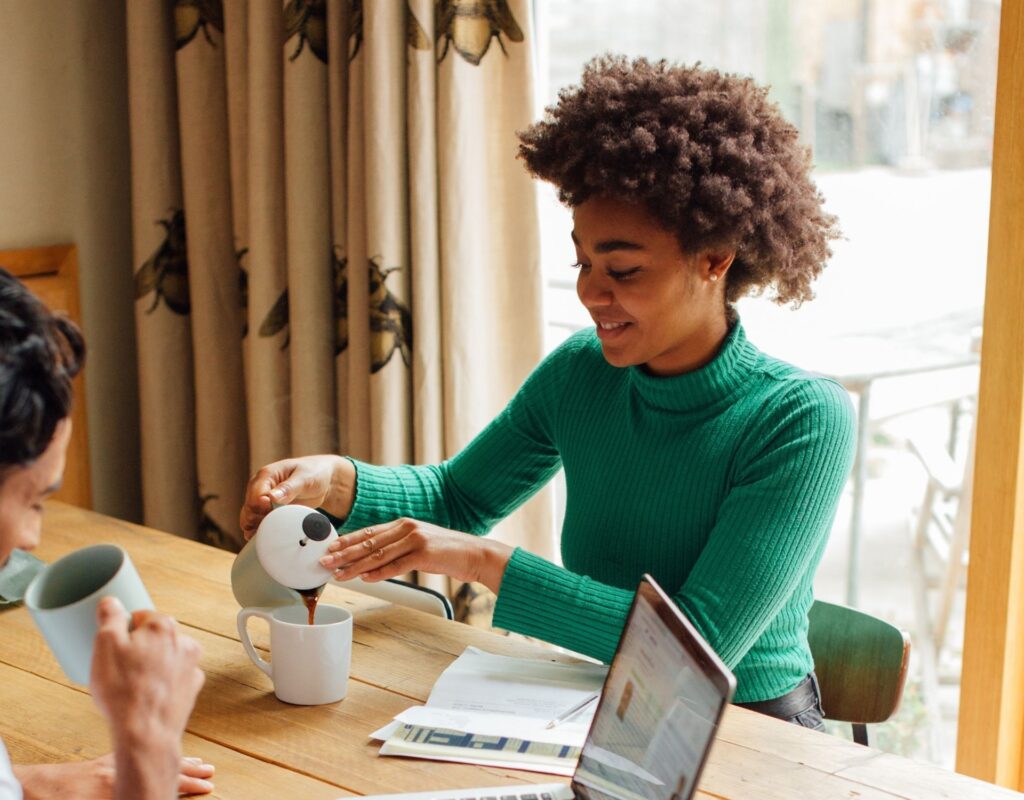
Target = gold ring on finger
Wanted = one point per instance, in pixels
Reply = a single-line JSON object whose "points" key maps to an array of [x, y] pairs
{"points": [[378, 553], [368, 544]]}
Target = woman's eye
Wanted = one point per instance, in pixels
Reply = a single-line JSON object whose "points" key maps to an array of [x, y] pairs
{"points": [[622, 274], [579, 265]]}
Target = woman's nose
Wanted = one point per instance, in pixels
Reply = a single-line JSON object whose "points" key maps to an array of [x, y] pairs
{"points": [[592, 291]]}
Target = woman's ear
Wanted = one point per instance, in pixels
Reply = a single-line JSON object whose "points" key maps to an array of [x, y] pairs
{"points": [[714, 265]]}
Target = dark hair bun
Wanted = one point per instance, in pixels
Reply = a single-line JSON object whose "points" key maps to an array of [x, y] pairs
{"points": [[40, 353]]}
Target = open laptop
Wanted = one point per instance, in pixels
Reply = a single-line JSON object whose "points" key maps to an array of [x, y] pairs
{"points": [[659, 709]]}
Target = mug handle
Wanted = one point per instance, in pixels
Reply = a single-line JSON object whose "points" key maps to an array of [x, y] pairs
{"points": [[243, 634]]}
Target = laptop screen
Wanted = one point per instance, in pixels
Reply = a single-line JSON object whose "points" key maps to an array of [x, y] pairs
{"points": [[660, 707]]}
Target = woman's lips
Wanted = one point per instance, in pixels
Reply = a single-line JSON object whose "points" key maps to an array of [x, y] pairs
{"points": [[610, 331]]}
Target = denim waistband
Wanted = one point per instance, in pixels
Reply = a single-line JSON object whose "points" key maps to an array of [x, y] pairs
{"points": [[803, 697]]}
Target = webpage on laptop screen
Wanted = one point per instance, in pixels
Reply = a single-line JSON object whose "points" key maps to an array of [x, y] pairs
{"points": [[656, 717]]}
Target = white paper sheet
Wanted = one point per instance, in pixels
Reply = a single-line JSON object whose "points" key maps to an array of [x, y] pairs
{"points": [[571, 732], [517, 687], [490, 695]]}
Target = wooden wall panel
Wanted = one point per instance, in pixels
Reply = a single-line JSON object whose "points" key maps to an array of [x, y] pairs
{"points": [[52, 274], [990, 741]]}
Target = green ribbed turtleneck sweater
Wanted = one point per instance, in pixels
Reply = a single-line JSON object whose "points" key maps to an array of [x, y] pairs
{"points": [[722, 483]]}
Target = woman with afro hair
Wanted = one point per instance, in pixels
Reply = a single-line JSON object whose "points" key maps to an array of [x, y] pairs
{"points": [[688, 453]]}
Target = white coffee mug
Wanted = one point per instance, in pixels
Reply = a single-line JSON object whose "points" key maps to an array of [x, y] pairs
{"points": [[63, 597], [310, 663]]}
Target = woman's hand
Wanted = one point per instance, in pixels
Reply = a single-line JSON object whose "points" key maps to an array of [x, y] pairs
{"points": [[384, 551], [194, 776], [327, 482], [94, 779]]}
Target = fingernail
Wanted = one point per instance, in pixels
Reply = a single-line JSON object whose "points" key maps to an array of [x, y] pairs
{"points": [[334, 546], [194, 760], [204, 784], [327, 561], [114, 603], [277, 494]]}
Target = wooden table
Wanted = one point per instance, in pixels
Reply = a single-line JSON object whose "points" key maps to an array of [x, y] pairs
{"points": [[264, 748]]}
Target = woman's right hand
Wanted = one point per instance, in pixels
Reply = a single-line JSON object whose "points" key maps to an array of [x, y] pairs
{"points": [[326, 482]]}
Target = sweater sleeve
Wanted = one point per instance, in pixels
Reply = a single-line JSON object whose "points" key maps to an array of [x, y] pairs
{"points": [[509, 461], [774, 524], [769, 532]]}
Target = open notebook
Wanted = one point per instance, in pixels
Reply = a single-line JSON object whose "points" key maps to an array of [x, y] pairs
{"points": [[655, 722]]}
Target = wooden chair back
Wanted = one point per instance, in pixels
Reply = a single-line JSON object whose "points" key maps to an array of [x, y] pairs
{"points": [[861, 664], [942, 533], [51, 273]]}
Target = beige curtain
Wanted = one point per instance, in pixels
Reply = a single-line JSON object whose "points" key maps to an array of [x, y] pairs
{"points": [[335, 248]]}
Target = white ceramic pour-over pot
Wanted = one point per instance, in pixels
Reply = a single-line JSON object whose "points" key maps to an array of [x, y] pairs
{"points": [[283, 556]]}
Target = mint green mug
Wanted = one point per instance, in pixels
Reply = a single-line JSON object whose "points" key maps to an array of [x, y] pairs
{"points": [[63, 597]]}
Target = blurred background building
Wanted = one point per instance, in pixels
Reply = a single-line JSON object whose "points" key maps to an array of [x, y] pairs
{"points": [[907, 83]]}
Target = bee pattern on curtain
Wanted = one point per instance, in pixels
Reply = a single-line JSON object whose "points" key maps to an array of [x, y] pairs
{"points": [[274, 147]]}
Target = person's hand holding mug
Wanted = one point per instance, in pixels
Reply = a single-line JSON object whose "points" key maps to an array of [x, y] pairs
{"points": [[325, 481], [145, 682]]}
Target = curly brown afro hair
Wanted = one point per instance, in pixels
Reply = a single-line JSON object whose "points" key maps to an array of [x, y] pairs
{"points": [[706, 153]]}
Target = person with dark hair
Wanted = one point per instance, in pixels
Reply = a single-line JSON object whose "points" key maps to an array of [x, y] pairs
{"points": [[688, 453], [144, 681]]}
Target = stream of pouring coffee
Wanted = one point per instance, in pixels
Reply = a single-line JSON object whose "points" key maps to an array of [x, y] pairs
{"points": [[310, 597]]}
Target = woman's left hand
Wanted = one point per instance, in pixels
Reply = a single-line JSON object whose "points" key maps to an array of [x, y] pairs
{"points": [[94, 779], [393, 548]]}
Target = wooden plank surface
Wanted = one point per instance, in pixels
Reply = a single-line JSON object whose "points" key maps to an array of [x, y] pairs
{"points": [[990, 740], [263, 747], [44, 723], [237, 708], [396, 648]]}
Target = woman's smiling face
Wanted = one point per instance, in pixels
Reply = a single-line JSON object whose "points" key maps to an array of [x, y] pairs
{"points": [[653, 304]]}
